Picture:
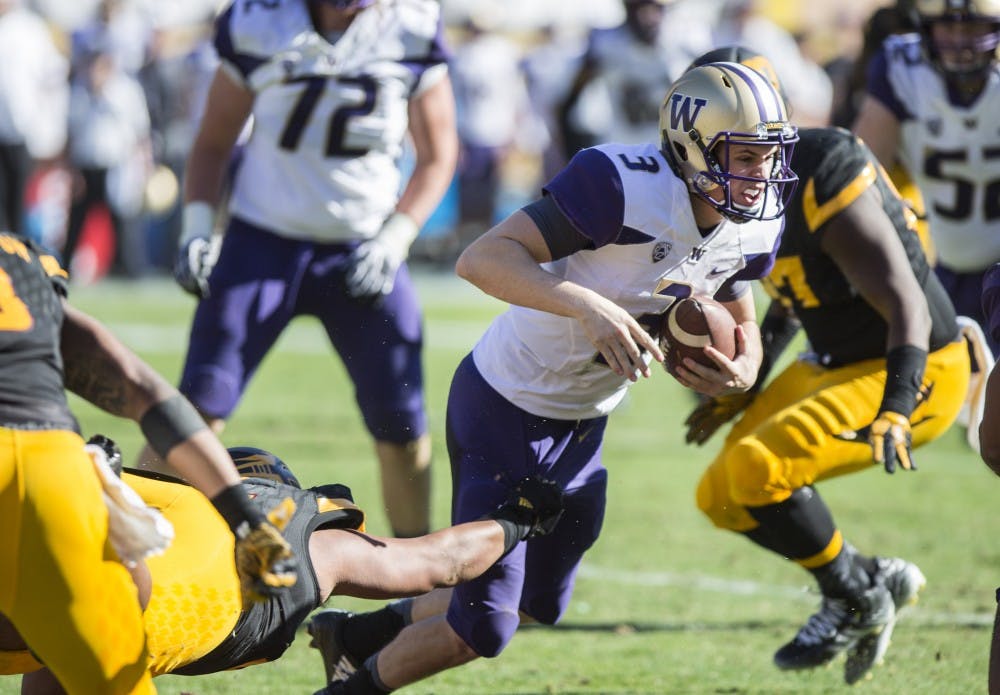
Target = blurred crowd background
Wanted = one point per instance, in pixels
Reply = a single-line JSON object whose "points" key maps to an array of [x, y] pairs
{"points": [[100, 99]]}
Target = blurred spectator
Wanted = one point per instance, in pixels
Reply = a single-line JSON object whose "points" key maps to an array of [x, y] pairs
{"points": [[175, 80], [626, 71], [109, 152], [491, 103], [808, 88], [33, 105], [548, 70], [119, 29], [849, 76]]}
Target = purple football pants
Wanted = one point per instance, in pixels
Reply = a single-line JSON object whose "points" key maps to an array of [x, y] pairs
{"points": [[966, 292], [260, 283], [492, 444]]}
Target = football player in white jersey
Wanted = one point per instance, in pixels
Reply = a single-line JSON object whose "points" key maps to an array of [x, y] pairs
{"points": [[932, 104], [317, 223], [619, 234], [614, 96]]}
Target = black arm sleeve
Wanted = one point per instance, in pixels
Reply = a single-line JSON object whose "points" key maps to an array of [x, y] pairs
{"points": [[777, 330], [560, 235]]}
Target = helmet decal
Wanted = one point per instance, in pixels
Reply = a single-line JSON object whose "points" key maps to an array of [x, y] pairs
{"points": [[251, 462], [680, 110]]}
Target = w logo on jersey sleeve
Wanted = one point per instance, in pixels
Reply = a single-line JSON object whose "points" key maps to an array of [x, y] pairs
{"points": [[681, 111]]}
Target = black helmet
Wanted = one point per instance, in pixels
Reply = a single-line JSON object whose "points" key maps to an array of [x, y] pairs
{"points": [[257, 463]]}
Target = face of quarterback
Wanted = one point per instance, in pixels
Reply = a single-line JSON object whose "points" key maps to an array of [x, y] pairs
{"points": [[749, 167]]}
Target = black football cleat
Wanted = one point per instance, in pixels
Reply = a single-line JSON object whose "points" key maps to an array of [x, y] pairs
{"points": [[837, 627]]}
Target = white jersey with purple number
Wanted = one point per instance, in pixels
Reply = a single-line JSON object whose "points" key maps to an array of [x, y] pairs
{"points": [[330, 113], [951, 151], [648, 252]]}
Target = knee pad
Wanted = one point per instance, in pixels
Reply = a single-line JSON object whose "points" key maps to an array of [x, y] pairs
{"points": [[488, 634], [545, 610], [213, 391], [755, 475], [395, 426], [714, 495]]}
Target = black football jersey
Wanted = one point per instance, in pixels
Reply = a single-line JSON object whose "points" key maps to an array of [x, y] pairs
{"points": [[834, 167], [31, 287]]}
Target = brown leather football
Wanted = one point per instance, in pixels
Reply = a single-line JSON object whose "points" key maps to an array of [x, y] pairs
{"points": [[692, 323]]}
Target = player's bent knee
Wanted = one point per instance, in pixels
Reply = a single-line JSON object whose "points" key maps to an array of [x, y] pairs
{"points": [[213, 392], [721, 494], [490, 634], [754, 473], [546, 610], [713, 499], [399, 427]]}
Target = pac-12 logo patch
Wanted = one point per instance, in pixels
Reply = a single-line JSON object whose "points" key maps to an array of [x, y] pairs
{"points": [[661, 250]]}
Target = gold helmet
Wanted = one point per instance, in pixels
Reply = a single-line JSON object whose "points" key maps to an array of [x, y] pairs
{"points": [[970, 55], [717, 105]]}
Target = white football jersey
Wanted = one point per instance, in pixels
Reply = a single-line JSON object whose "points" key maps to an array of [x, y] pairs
{"points": [[648, 252], [952, 152], [329, 119]]}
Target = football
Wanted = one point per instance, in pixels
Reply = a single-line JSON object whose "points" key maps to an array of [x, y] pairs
{"points": [[692, 323]]}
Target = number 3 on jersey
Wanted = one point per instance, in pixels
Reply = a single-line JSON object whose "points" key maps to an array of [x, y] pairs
{"points": [[14, 314], [300, 115]]}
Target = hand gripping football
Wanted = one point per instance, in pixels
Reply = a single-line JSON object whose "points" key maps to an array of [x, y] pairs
{"points": [[691, 324]]}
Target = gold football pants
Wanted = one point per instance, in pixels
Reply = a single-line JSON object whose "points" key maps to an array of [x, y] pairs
{"points": [[61, 583], [797, 431]]}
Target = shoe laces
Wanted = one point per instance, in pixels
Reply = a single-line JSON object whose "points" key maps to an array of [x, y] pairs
{"points": [[825, 623]]}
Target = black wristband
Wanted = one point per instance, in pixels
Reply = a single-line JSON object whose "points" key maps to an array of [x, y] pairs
{"points": [[170, 422], [515, 521], [512, 533], [904, 367], [235, 506]]}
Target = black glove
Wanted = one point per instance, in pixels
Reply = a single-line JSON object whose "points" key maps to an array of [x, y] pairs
{"points": [[713, 413], [111, 452], [534, 507]]}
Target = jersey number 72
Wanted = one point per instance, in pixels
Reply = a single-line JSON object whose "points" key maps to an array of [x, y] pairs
{"points": [[300, 115]]}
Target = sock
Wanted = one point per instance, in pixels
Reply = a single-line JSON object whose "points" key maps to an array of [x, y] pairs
{"points": [[366, 633], [404, 607], [844, 576], [800, 527], [364, 681]]}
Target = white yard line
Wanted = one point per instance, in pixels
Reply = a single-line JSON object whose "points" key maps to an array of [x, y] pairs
{"points": [[303, 337], [747, 587]]}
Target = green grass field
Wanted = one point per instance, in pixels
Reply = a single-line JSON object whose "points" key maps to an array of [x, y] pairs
{"points": [[664, 603]]}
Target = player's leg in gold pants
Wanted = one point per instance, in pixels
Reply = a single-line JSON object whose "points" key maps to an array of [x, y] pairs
{"points": [[61, 584]]}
